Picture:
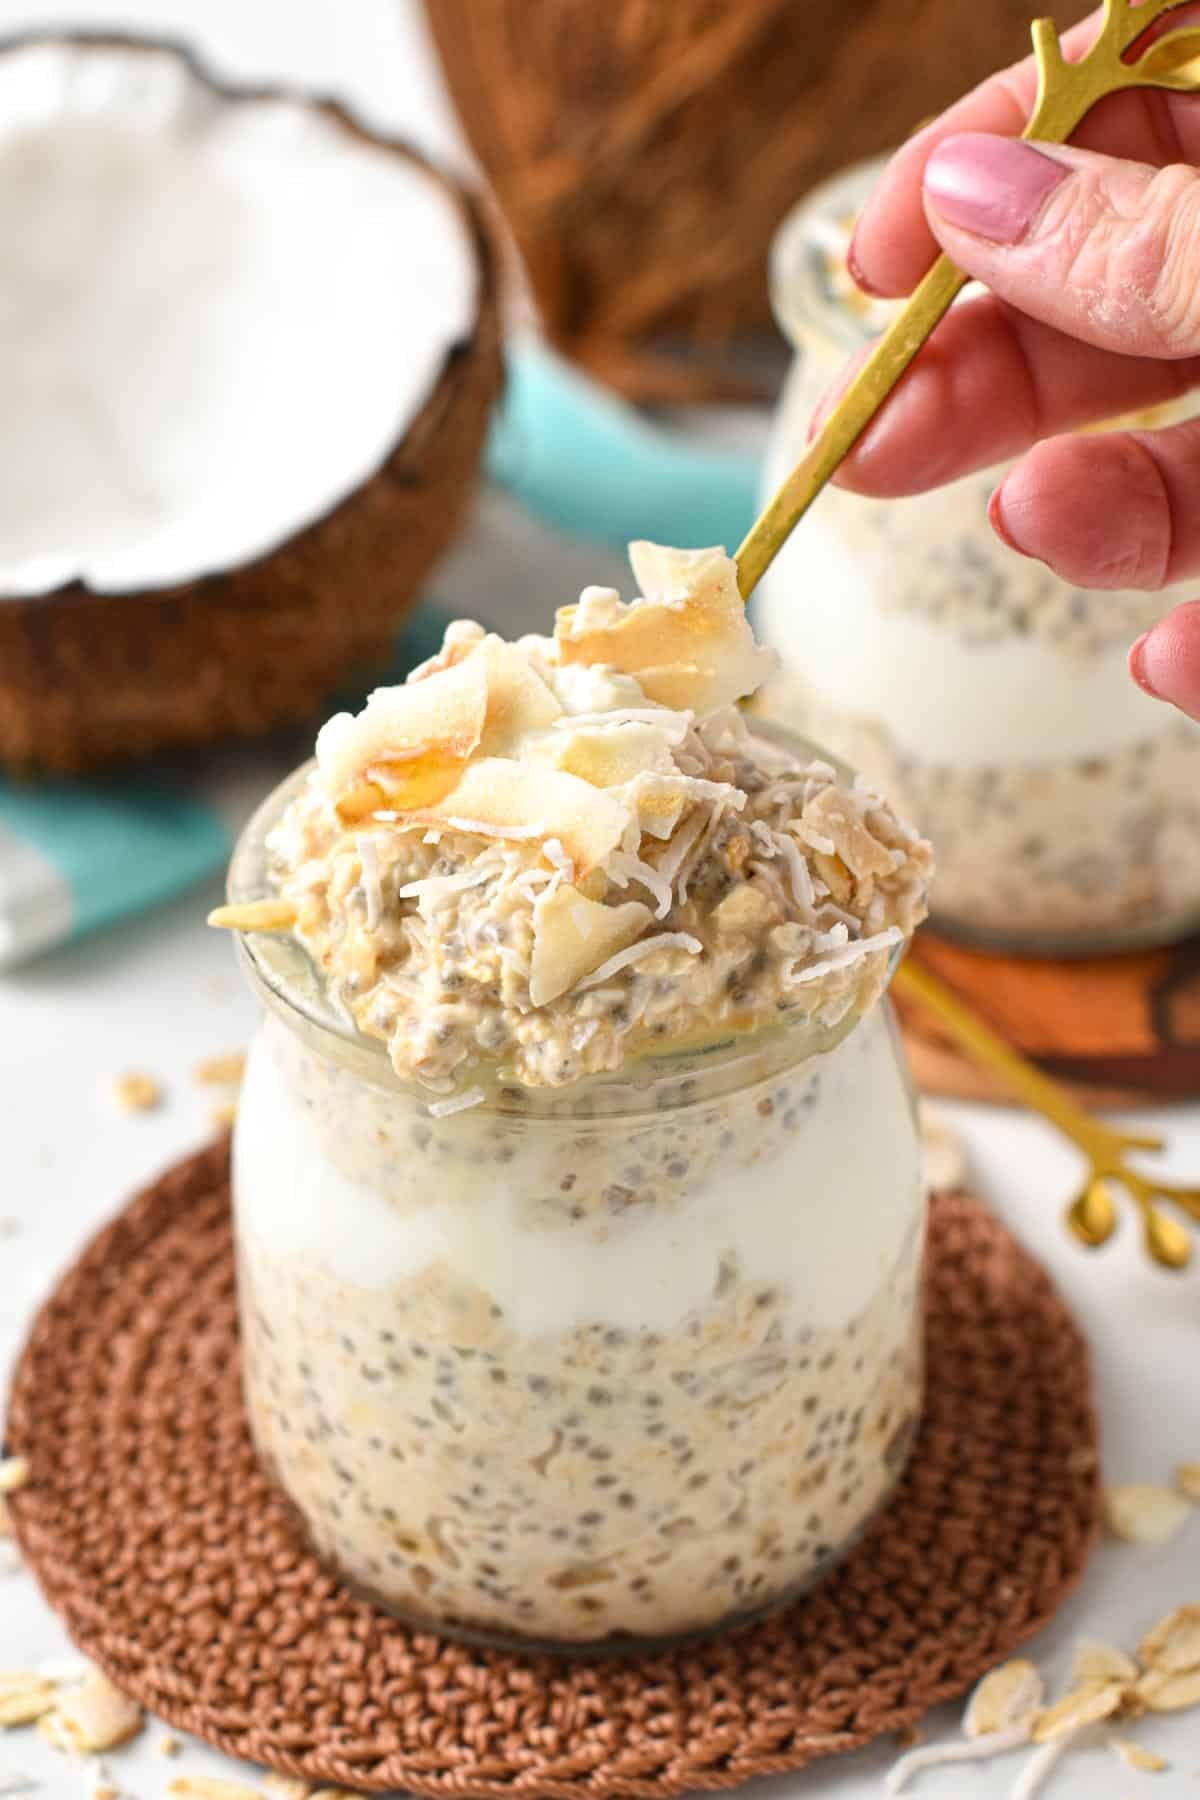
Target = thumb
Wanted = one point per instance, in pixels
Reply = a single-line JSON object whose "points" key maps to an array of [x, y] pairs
{"points": [[1103, 250]]}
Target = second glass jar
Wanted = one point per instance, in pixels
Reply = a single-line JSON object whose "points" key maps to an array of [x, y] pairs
{"points": [[988, 699]]}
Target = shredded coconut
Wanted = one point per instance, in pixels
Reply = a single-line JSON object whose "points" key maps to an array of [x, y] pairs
{"points": [[936, 1756], [666, 940], [556, 855], [442, 1109], [799, 874], [624, 868], [368, 852]]}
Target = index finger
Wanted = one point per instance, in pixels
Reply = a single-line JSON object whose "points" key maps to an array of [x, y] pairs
{"points": [[893, 246]]}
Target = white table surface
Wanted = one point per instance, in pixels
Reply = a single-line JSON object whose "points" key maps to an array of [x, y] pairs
{"points": [[162, 993]]}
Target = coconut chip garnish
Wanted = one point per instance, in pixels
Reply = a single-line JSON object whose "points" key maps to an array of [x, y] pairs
{"points": [[545, 858]]}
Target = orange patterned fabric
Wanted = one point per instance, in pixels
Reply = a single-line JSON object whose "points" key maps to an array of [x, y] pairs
{"points": [[177, 1567]]}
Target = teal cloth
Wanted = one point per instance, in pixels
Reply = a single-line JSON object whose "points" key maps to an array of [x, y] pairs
{"points": [[571, 453]]}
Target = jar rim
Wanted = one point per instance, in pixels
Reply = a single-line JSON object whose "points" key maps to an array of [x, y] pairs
{"points": [[284, 978]]}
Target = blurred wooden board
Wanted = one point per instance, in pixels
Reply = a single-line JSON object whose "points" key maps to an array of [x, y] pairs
{"points": [[1119, 1030]]}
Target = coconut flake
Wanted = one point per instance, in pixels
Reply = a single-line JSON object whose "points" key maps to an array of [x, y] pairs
{"points": [[516, 800], [843, 958], [665, 940], [572, 936], [623, 868], [558, 858], [368, 855], [799, 873], [443, 1109]]}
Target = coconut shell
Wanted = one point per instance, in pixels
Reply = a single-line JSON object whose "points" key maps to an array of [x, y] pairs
{"points": [[645, 154], [90, 678]]}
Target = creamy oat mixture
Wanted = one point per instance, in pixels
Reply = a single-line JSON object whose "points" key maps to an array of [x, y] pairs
{"points": [[584, 854], [602, 1321]]}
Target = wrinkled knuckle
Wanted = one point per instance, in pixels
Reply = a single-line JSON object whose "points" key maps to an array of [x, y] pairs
{"points": [[1158, 264]]}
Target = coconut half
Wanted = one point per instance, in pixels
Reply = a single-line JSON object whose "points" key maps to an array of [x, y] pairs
{"points": [[247, 356]]}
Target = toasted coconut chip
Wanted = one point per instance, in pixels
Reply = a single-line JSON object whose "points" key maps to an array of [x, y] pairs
{"points": [[687, 642], [458, 640], [1143, 1514], [1136, 1756], [1187, 1480], [1174, 1643], [409, 741], [1007, 1696], [1085, 1706], [1095, 1662], [573, 936], [1165, 1691], [97, 1716], [497, 798], [518, 700], [605, 755], [833, 814]]}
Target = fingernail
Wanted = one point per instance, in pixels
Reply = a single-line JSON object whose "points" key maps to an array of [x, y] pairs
{"points": [[1138, 666], [992, 186], [997, 521], [856, 273]]}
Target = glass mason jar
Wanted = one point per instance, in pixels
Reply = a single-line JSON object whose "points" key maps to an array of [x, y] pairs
{"points": [[987, 699], [576, 1367]]}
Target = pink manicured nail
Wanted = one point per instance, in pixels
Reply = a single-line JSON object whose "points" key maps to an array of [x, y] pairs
{"points": [[856, 274], [992, 186], [996, 520], [1138, 669]]}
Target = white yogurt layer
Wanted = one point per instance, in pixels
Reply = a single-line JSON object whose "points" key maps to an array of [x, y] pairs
{"points": [[821, 1219], [217, 317], [1017, 701]]}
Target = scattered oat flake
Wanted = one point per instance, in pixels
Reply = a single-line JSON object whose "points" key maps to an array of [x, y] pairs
{"points": [[1086, 1706], [1101, 1662], [222, 1116], [24, 1701], [14, 1473], [98, 1716], [167, 1745], [1174, 1643], [336, 1794], [104, 1792], [1165, 1691], [1143, 1514], [135, 1091], [220, 1071], [210, 1787], [1007, 1696], [1136, 1756], [287, 1787], [1187, 1480]]}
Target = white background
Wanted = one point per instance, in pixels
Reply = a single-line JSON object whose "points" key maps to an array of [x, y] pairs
{"points": [[162, 993]]}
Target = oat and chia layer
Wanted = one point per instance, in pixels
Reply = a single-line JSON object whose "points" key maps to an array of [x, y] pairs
{"points": [[1053, 853], [728, 882], [589, 1310]]}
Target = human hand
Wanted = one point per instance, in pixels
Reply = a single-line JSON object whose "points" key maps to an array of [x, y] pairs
{"points": [[1092, 256]]}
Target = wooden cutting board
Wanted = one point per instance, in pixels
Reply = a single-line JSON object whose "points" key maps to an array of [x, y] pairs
{"points": [[1119, 1030]]}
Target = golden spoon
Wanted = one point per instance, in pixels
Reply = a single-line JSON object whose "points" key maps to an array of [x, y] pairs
{"points": [[1066, 93], [1092, 1216]]}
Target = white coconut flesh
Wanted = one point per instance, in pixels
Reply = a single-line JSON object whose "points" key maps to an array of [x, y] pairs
{"points": [[217, 316]]}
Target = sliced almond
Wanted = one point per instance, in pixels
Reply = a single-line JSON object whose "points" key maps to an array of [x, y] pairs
{"points": [[1143, 1514], [1136, 1756], [1187, 1480], [1174, 1643], [1164, 1691], [412, 739], [503, 799], [14, 1473], [98, 1716], [254, 915], [1008, 1695], [573, 935], [687, 641], [1101, 1662], [1085, 1706]]}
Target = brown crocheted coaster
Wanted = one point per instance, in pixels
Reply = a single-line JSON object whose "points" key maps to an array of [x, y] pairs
{"points": [[176, 1567]]}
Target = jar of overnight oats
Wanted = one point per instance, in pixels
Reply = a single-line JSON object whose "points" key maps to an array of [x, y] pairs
{"points": [[587, 1320], [983, 695]]}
